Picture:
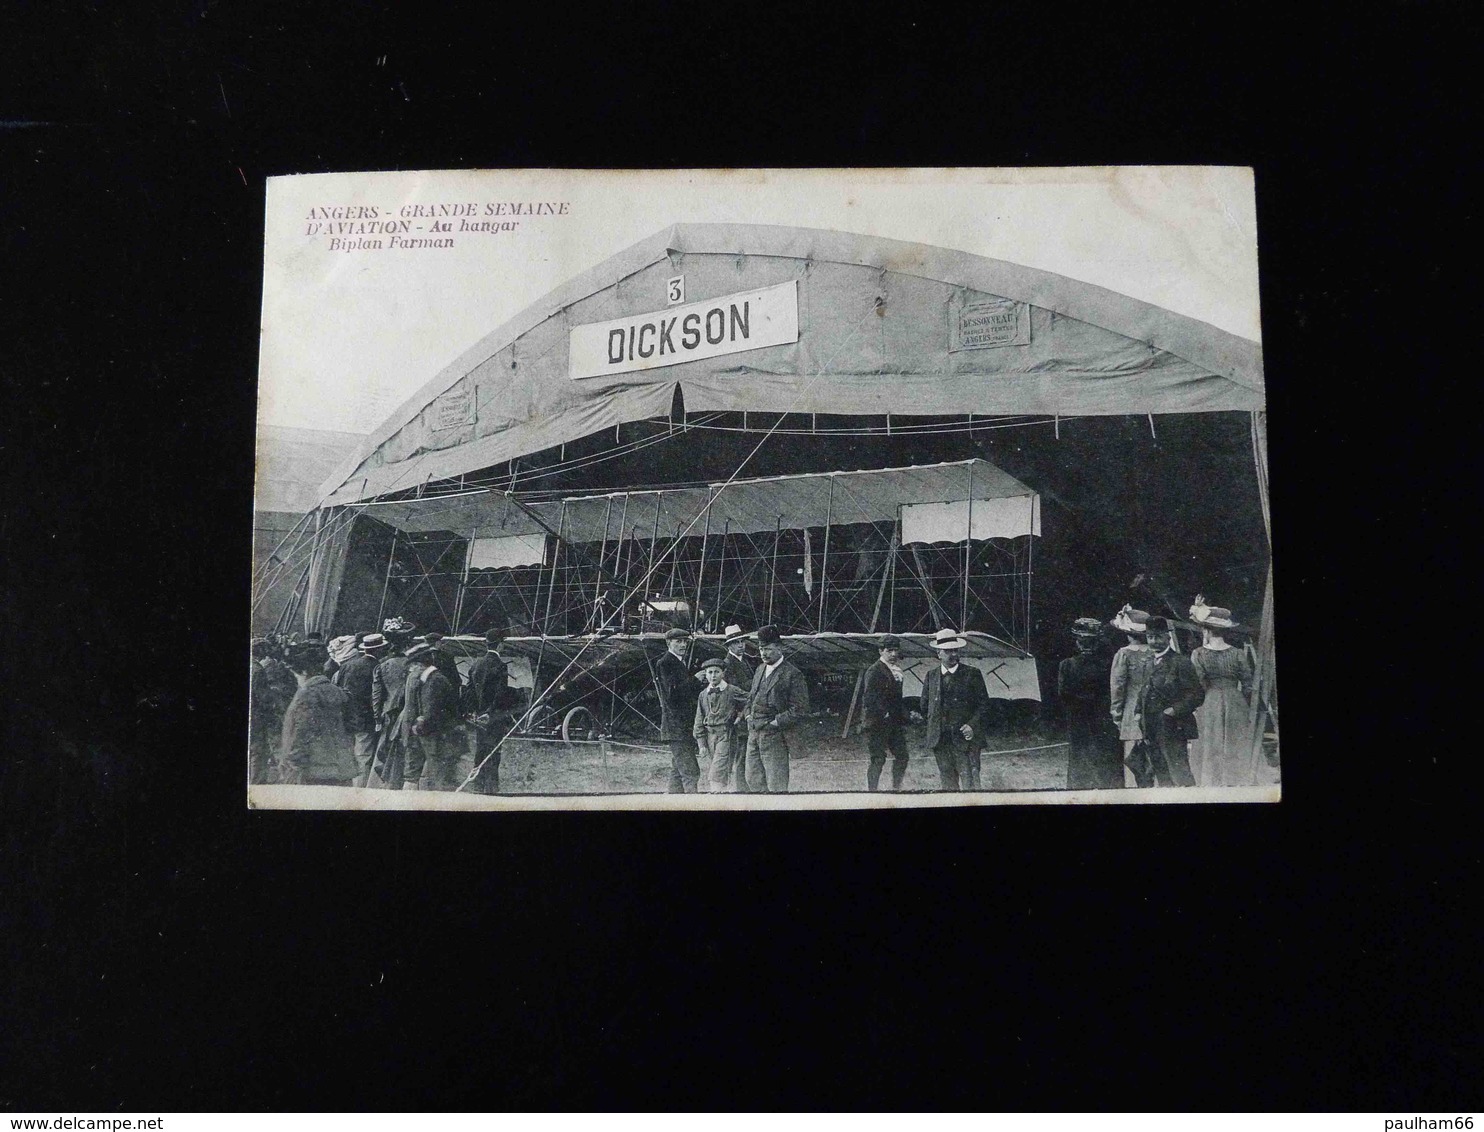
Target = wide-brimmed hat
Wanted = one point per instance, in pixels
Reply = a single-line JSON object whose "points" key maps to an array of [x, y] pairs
{"points": [[1205, 616], [1087, 627], [734, 633], [769, 635], [1131, 620], [372, 641], [948, 639], [397, 625], [678, 635], [714, 662], [343, 648]]}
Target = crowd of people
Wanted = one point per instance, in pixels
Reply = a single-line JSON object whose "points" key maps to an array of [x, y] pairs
{"points": [[385, 710], [391, 710], [1150, 715]]}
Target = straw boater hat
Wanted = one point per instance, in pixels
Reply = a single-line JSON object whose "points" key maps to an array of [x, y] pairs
{"points": [[372, 641], [1131, 620], [1205, 616], [948, 639], [1087, 627]]}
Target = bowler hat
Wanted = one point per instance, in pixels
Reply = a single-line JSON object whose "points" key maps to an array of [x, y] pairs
{"points": [[769, 635]]}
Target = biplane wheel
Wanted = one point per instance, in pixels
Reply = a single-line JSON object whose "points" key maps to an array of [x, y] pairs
{"points": [[578, 724]]}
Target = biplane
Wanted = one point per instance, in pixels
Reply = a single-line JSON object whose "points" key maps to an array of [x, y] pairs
{"points": [[589, 584]]}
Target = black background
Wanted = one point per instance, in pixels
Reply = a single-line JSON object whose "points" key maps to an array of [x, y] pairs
{"points": [[165, 949]]}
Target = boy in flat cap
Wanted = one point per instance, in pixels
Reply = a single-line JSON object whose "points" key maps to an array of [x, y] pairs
{"points": [[716, 715]]}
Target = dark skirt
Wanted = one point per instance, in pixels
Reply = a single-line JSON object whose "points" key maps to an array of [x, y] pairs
{"points": [[1095, 761]]}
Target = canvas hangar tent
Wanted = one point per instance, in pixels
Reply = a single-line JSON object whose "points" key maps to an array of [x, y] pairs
{"points": [[846, 352]]}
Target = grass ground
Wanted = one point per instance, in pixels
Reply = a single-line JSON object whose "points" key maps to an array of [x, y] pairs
{"points": [[822, 761]]}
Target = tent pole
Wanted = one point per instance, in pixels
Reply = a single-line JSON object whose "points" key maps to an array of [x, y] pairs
{"points": [[721, 565], [620, 559], [881, 590], [1030, 555], [963, 621], [556, 550], [316, 567], [653, 542], [896, 548], [824, 565], [773, 574], [602, 554], [855, 697], [695, 617], [391, 556], [458, 603]]}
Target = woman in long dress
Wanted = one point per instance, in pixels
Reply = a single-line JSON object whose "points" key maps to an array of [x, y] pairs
{"points": [[1095, 761], [1132, 666], [1221, 754]]}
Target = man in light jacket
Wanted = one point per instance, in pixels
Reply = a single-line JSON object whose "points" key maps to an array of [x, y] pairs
{"points": [[779, 700]]}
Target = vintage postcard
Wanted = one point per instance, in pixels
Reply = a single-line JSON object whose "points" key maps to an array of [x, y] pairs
{"points": [[742, 489]]}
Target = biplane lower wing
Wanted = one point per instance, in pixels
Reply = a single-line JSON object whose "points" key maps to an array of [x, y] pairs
{"points": [[819, 651]]}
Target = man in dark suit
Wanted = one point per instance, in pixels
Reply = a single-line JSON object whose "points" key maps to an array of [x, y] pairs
{"points": [[316, 750], [265, 720], [445, 661], [739, 670], [388, 689], [433, 717], [778, 702], [677, 693], [883, 716], [1166, 705], [489, 702], [955, 701], [355, 674]]}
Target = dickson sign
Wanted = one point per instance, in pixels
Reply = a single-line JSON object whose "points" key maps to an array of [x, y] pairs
{"points": [[729, 324]]}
